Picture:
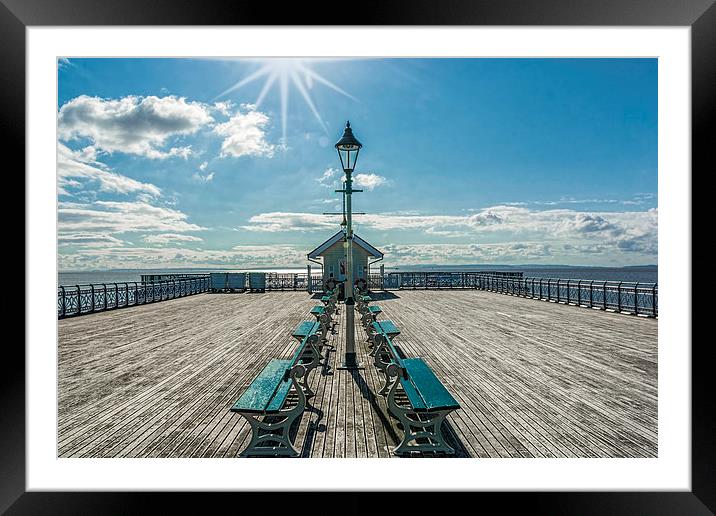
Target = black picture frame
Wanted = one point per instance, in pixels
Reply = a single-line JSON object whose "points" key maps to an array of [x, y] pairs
{"points": [[16, 15]]}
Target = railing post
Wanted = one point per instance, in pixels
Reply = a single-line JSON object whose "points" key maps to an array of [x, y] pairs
{"points": [[591, 294], [653, 299], [64, 302], [579, 293], [619, 297], [92, 305], [549, 289], [126, 294], [104, 286], [116, 295], [604, 296], [636, 299], [568, 296], [79, 300], [558, 280]]}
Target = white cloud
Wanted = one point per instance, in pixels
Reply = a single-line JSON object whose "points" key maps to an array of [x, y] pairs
{"points": [[244, 134], [73, 165], [167, 257], [328, 179], [285, 221], [423, 254], [369, 181], [121, 217], [224, 107], [132, 124], [165, 238], [88, 240], [203, 178], [634, 231]]}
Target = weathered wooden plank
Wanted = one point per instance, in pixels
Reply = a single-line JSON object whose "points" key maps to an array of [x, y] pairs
{"points": [[532, 378]]}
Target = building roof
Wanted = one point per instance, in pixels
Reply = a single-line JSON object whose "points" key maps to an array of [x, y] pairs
{"points": [[318, 251]]}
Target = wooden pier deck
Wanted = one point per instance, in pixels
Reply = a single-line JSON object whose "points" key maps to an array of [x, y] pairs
{"points": [[534, 379]]}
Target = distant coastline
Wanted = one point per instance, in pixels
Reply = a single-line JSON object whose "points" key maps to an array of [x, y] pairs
{"points": [[631, 273]]}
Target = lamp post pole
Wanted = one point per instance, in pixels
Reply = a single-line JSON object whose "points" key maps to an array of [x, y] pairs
{"points": [[348, 147]]}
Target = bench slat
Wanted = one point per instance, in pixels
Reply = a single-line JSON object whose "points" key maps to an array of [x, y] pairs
{"points": [[267, 391], [279, 397], [424, 390], [375, 309], [304, 342], [387, 327], [304, 329], [318, 310]]}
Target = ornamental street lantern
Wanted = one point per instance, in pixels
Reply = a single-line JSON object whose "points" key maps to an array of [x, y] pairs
{"points": [[348, 148]]}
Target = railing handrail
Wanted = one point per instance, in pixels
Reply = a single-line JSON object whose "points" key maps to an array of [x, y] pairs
{"points": [[635, 297], [83, 298]]}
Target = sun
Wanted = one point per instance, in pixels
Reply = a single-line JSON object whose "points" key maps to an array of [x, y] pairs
{"points": [[286, 73]]}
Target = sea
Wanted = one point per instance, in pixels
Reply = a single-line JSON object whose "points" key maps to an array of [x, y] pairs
{"points": [[640, 273]]}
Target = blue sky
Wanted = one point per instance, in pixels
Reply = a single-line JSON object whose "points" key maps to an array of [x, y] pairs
{"points": [[465, 161]]}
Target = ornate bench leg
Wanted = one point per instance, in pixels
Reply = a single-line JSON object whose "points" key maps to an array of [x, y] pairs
{"points": [[373, 339], [275, 440], [312, 355], [366, 319], [417, 425], [325, 322], [379, 352]]}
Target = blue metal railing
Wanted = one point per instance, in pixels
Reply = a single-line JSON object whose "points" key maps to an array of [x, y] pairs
{"points": [[619, 296], [85, 299]]}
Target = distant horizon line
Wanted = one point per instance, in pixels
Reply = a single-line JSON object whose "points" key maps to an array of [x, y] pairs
{"points": [[526, 265]]}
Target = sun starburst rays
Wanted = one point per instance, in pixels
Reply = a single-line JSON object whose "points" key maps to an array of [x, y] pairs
{"points": [[287, 72]]}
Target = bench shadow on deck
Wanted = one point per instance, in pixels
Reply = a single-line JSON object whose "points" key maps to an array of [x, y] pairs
{"points": [[534, 379]]}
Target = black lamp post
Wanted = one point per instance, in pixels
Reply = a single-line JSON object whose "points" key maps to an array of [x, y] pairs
{"points": [[348, 148]]}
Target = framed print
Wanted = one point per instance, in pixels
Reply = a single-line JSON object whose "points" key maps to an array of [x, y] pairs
{"points": [[462, 236]]}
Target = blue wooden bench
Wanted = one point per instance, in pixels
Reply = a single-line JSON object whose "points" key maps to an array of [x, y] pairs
{"points": [[376, 327], [309, 328], [384, 352], [330, 301], [369, 315], [330, 297], [324, 317], [277, 397], [421, 403], [363, 300], [304, 329], [312, 336], [417, 398]]}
